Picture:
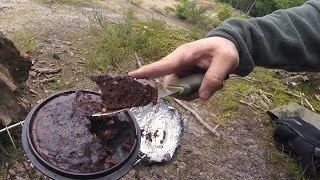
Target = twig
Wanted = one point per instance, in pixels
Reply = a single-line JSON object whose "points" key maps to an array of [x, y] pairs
{"points": [[48, 80], [309, 104], [264, 104], [301, 98], [138, 62], [241, 94], [212, 130], [246, 103], [251, 105], [48, 71], [246, 79], [317, 97], [266, 99], [253, 79], [292, 94], [33, 91], [265, 93]]}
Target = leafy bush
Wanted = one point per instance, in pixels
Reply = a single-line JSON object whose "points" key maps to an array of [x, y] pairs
{"points": [[189, 10], [224, 13], [117, 43], [262, 7]]}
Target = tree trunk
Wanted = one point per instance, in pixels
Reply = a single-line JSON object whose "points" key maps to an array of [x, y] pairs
{"points": [[14, 70]]}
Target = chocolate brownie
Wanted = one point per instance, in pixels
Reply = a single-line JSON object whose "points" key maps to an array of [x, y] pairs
{"points": [[65, 138], [119, 92]]}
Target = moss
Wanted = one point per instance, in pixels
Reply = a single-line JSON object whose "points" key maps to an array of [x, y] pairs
{"points": [[291, 165]]}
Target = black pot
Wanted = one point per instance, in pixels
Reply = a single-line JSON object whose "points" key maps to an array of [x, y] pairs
{"points": [[114, 172]]}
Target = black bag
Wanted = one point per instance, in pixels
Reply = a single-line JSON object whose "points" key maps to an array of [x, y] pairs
{"points": [[293, 135]]}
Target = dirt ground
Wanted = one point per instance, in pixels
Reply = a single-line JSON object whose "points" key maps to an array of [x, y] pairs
{"points": [[242, 151]]}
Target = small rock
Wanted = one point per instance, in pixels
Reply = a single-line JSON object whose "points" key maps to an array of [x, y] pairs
{"points": [[33, 74], [55, 56], [182, 165], [132, 173]]}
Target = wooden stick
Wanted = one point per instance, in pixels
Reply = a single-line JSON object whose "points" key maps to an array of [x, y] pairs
{"points": [[48, 80], [48, 71], [241, 94], [264, 104], [309, 104], [301, 98], [197, 116], [317, 97], [138, 62], [265, 93], [292, 94], [246, 103], [33, 91], [253, 79]]}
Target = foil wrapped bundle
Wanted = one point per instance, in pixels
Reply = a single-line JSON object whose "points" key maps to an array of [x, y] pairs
{"points": [[161, 128]]}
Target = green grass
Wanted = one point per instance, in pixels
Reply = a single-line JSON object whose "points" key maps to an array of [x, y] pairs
{"points": [[291, 164], [195, 14], [25, 40], [117, 43]]}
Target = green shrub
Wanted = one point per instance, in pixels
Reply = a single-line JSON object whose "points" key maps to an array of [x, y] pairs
{"points": [[262, 7], [189, 10], [225, 12], [117, 43]]}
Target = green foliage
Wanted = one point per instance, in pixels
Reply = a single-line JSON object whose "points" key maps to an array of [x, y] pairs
{"points": [[25, 40], [196, 33], [224, 13], [262, 7], [284, 4], [117, 43], [189, 10]]}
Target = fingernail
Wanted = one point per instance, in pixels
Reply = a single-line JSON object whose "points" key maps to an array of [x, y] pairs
{"points": [[205, 94]]}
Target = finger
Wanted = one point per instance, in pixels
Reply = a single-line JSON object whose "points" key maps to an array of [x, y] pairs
{"points": [[168, 65], [214, 77]]}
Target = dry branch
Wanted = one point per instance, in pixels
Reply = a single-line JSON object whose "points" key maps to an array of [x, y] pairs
{"points": [[317, 97], [138, 62], [292, 94], [241, 94], [207, 126], [301, 99], [48, 80], [48, 71], [265, 93]]}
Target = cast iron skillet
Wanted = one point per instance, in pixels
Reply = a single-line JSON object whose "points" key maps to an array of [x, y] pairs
{"points": [[115, 172]]}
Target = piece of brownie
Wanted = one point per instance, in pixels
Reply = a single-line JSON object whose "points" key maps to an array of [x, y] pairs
{"points": [[66, 138], [119, 92]]}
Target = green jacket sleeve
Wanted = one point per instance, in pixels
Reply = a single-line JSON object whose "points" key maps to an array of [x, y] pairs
{"points": [[286, 39]]}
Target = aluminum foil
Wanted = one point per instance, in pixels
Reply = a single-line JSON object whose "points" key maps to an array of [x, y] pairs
{"points": [[161, 127]]}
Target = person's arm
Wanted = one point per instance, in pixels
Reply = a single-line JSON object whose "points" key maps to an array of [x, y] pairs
{"points": [[286, 39]]}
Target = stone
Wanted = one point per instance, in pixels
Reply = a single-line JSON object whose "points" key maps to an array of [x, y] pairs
{"points": [[55, 56]]}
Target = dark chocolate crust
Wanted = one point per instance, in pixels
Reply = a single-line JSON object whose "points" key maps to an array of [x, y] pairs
{"points": [[119, 92], [65, 138]]}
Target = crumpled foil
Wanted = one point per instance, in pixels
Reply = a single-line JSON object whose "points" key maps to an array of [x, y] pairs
{"points": [[161, 128]]}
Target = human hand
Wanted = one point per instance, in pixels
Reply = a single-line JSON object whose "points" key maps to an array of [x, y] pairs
{"points": [[216, 55]]}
